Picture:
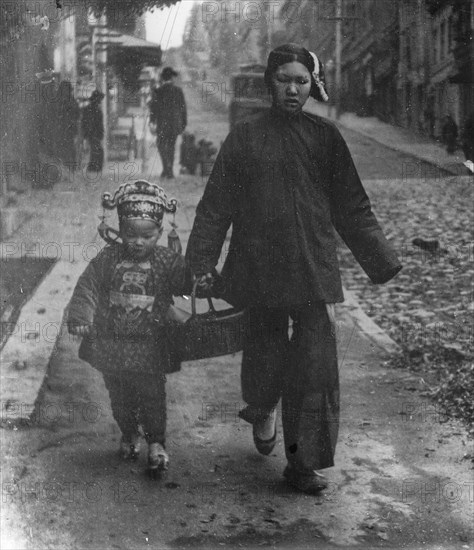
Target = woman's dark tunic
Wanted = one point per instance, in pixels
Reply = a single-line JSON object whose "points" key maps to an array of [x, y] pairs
{"points": [[285, 182]]}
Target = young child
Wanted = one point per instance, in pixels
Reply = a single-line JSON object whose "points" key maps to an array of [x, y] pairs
{"points": [[119, 306]]}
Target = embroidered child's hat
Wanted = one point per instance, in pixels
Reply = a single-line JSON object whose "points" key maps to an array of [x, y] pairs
{"points": [[140, 200]]}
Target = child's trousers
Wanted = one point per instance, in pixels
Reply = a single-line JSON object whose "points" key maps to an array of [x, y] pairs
{"points": [[138, 398]]}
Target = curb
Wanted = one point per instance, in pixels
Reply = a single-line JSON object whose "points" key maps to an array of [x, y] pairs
{"points": [[398, 149], [26, 354], [403, 151], [367, 326]]}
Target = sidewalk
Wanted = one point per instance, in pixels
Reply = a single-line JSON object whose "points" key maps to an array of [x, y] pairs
{"points": [[396, 463], [400, 139], [62, 225]]}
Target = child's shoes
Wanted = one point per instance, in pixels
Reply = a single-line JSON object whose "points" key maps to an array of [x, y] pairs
{"points": [[158, 460], [130, 447]]}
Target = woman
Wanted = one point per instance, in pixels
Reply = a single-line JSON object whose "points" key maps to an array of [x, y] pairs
{"points": [[284, 180], [68, 122], [93, 131]]}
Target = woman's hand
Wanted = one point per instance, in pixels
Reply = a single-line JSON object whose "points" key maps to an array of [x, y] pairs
{"points": [[204, 284]]}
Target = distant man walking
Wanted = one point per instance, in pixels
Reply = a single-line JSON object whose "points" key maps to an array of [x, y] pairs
{"points": [[168, 112], [450, 133]]}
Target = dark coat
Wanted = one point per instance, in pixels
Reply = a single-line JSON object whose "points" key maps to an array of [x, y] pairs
{"points": [[92, 121], [168, 110], [284, 184], [68, 122]]}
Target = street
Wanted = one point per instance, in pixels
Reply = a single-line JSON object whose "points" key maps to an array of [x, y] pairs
{"points": [[400, 480]]}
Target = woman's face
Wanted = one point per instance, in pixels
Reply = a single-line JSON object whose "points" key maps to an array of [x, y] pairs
{"points": [[291, 84]]}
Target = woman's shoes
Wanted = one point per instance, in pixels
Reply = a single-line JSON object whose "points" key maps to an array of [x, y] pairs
{"points": [[310, 482], [264, 446], [263, 429], [130, 447], [158, 459], [263, 425]]}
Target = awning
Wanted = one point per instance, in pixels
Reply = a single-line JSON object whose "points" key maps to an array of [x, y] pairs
{"points": [[148, 52]]}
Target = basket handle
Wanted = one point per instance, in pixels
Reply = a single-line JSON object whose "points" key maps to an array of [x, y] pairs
{"points": [[193, 300]]}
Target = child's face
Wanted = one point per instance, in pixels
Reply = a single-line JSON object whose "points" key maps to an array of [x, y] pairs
{"points": [[139, 237]]}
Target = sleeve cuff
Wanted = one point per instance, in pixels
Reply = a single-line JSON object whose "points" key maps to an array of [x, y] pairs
{"points": [[387, 275]]}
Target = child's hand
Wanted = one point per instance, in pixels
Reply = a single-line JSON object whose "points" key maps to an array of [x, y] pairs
{"points": [[79, 330]]}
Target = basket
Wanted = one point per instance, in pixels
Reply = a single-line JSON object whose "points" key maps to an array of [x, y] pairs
{"points": [[209, 334]]}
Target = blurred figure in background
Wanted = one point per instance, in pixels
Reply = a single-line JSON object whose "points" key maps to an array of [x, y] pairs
{"points": [[68, 123], [168, 113], [93, 131], [430, 117], [450, 133]]}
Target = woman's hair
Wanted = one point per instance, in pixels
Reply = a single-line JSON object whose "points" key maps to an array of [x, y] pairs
{"points": [[287, 53]]}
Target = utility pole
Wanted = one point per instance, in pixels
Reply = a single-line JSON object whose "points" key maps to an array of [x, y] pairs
{"points": [[104, 88], [269, 31], [99, 57], [338, 18]]}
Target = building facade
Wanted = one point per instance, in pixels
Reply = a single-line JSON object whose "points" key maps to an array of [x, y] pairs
{"points": [[369, 49], [451, 75], [409, 62], [36, 53], [369, 57], [414, 63]]}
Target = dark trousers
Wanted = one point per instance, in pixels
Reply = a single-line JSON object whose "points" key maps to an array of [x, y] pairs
{"points": [[66, 150], [303, 371], [166, 147], [96, 159], [138, 398]]}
